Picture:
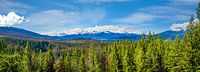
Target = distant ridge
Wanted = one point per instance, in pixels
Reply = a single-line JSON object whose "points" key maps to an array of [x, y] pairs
{"points": [[20, 33], [107, 36]]}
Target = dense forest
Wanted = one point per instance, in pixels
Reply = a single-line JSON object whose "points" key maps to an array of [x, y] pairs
{"points": [[149, 54]]}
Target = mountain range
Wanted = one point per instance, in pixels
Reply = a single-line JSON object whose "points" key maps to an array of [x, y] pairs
{"points": [[103, 36]]}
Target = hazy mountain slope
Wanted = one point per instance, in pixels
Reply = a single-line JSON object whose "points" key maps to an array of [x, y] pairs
{"points": [[21, 33]]}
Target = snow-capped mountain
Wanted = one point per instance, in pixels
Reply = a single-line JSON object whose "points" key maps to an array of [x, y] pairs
{"points": [[103, 36], [93, 30], [96, 35]]}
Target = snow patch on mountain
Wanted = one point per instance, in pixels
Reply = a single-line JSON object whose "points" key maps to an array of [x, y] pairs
{"points": [[181, 26], [95, 29]]}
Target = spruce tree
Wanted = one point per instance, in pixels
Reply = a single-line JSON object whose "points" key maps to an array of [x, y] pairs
{"points": [[97, 67], [138, 56], [113, 62], [59, 65], [26, 59], [150, 58], [50, 61], [194, 35], [67, 61], [81, 61], [2, 44]]}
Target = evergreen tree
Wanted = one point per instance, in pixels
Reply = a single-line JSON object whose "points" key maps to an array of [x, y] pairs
{"points": [[97, 67], [41, 63], [125, 59], [2, 44], [160, 53], [50, 61], [11, 63], [73, 62], [150, 57], [194, 35], [67, 61], [185, 54], [90, 58], [81, 63], [59, 66], [138, 56], [113, 62], [26, 59], [33, 62]]}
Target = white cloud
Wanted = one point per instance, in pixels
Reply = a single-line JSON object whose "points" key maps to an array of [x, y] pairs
{"points": [[172, 13], [101, 1], [96, 29], [137, 18], [166, 10], [11, 19], [56, 17], [10, 5], [186, 1]]}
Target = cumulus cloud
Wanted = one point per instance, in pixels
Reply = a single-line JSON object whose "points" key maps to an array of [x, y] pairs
{"points": [[137, 18], [101, 1], [11, 19], [95, 29]]}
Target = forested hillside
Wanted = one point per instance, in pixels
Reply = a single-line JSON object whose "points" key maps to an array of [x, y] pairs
{"points": [[149, 54]]}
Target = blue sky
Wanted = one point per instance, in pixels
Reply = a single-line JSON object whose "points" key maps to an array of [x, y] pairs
{"points": [[138, 15]]}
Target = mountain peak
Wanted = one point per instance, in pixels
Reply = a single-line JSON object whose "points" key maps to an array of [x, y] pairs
{"points": [[93, 30], [96, 35]]}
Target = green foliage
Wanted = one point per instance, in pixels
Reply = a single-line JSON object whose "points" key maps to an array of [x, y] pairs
{"points": [[138, 57], [149, 54], [11, 63]]}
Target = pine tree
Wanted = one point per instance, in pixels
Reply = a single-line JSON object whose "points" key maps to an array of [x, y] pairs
{"points": [[26, 59], [112, 60], [167, 54], [130, 55], [50, 61], [67, 61], [125, 59], [73, 62], [185, 53], [97, 67], [41, 63], [33, 62], [138, 56], [11, 63], [160, 54], [81, 63], [150, 57], [90, 58], [194, 35], [175, 54], [2, 44], [59, 66]]}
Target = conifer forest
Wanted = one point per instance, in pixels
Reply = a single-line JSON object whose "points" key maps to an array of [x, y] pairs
{"points": [[148, 54]]}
